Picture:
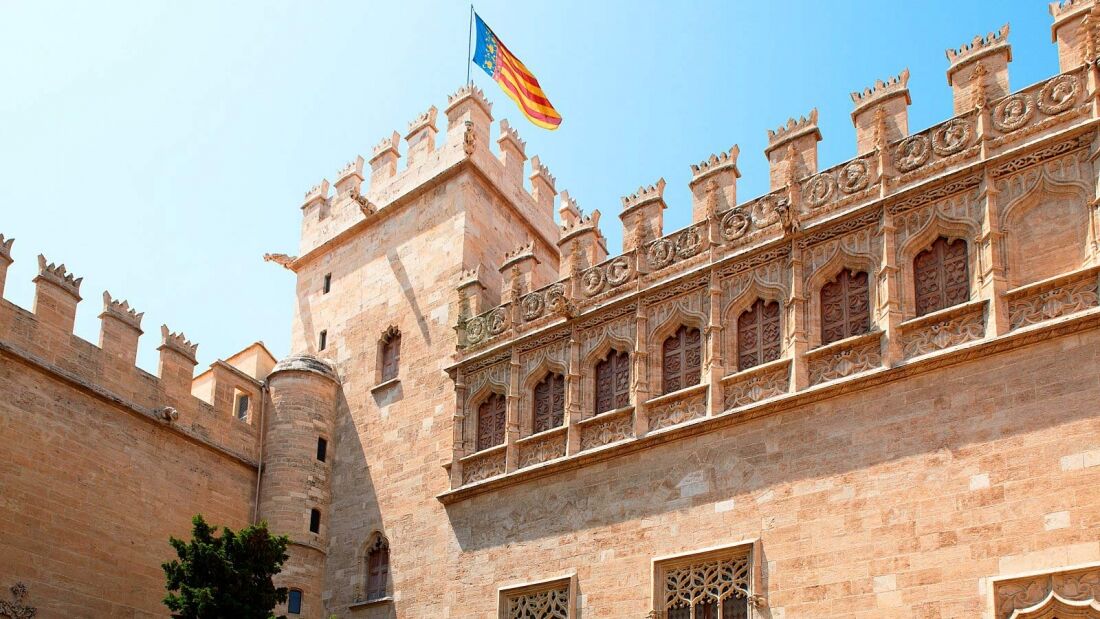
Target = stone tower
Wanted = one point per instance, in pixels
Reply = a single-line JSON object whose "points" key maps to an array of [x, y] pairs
{"points": [[379, 258]]}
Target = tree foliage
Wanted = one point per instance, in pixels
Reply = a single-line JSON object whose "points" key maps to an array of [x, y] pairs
{"points": [[225, 576]]}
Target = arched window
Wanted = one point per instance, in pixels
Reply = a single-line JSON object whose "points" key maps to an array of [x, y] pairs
{"points": [[378, 569], [549, 406], [941, 276], [613, 382], [682, 359], [845, 307], [758, 335], [491, 416], [390, 354]]}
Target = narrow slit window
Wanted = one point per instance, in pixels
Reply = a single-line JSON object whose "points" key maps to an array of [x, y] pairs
{"points": [[322, 449], [314, 521], [391, 353], [322, 340], [378, 569], [326, 286], [242, 406]]}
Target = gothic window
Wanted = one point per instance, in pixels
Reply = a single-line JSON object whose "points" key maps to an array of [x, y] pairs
{"points": [[549, 403], [681, 359], [613, 382], [390, 354], [941, 276], [845, 307], [546, 600], [490, 422], [378, 569], [758, 335], [706, 585]]}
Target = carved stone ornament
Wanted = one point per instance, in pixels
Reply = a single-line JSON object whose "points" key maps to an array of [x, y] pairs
{"points": [[713, 581], [475, 330], [551, 604], [764, 212], [1074, 593], [17, 608], [532, 305], [689, 242], [734, 225], [678, 411], [468, 138], [483, 467], [660, 254], [618, 428], [944, 334], [1050, 304], [1013, 112], [820, 190], [592, 281], [855, 176], [912, 153], [542, 450], [557, 302], [758, 386], [1058, 95], [498, 321], [618, 271], [951, 137]]}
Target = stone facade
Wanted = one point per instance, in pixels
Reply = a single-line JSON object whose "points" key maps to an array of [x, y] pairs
{"points": [[870, 392]]}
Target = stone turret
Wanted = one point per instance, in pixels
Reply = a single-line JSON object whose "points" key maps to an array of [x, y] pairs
{"points": [[1075, 31], [792, 150], [888, 101], [295, 484], [979, 66]]}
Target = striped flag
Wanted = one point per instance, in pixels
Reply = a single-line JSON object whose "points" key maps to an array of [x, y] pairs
{"points": [[513, 77]]}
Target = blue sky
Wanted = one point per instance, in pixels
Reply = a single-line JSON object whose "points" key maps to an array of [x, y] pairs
{"points": [[160, 148]]}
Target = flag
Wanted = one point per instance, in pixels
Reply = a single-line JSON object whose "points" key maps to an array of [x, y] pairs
{"points": [[513, 77]]}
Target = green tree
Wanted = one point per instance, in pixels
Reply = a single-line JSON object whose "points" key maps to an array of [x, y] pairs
{"points": [[225, 576]]}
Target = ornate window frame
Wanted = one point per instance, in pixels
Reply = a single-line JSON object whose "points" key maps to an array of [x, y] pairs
{"points": [[475, 417], [531, 589], [588, 373], [829, 273], [950, 229], [657, 355], [749, 551], [545, 367], [1070, 591]]}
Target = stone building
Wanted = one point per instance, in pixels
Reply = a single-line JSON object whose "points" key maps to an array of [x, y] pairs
{"points": [[871, 392]]}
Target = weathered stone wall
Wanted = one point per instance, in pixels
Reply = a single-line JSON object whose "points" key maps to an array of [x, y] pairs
{"points": [[91, 493]]}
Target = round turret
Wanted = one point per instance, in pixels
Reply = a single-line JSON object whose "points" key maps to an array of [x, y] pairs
{"points": [[295, 486]]}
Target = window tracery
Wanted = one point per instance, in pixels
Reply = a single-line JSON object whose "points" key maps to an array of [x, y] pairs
{"points": [[941, 276], [491, 417], [549, 403], [378, 569], [613, 382], [709, 589], [681, 359], [758, 335], [390, 354], [845, 307]]}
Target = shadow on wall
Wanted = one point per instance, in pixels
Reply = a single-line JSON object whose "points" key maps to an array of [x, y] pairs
{"points": [[355, 517], [407, 289], [936, 417]]}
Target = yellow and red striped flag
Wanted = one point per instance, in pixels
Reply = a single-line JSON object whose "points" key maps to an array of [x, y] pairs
{"points": [[513, 77]]}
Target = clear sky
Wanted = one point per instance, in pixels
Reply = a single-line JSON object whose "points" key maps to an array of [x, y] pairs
{"points": [[159, 148]]}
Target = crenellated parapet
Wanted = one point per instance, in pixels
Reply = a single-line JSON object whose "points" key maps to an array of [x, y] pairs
{"points": [[468, 105], [43, 338], [881, 110], [792, 150], [714, 184], [513, 152], [979, 66], [383, 161], [1076, 29], [643, 215], [542, 186], [349, 179], [581, 244], [518, 272], [421, 136], [5, 260]]}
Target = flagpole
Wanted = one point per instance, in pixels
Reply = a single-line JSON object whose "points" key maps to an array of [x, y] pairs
{"points": [[469, 44]]}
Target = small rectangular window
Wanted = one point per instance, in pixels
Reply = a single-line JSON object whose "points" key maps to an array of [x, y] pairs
{"points": [[242, 407], [322, 449], [294, 602], [322, 341], [328, 283], [314, 521]]}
